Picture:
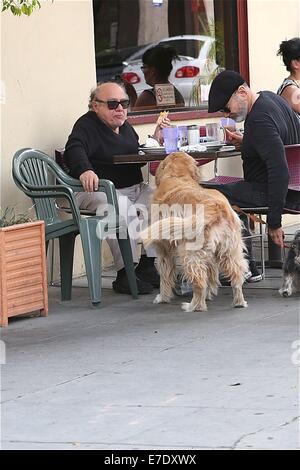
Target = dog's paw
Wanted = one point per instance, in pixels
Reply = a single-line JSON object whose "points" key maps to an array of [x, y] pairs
{"points": [[243, 304], [189, 307], [209, 296], [160, 300], [285, 292]]}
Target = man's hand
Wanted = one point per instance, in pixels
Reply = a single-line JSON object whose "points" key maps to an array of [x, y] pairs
{"points": [[89, 181], [162, 122], [236, 138], [277, 235]]}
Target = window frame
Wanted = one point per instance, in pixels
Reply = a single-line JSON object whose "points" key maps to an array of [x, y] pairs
{"points": [[145, 117]]}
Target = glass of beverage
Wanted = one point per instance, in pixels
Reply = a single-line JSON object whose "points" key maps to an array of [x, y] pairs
{"points": [[182, 136], [193, 135], [212, 131], [170, 135], [227, 123]]}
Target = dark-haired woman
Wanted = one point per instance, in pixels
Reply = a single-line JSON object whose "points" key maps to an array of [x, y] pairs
{"points": [[157, 66], [290, 87]]}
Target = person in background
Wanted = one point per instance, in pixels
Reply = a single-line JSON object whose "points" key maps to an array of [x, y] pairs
{"points": [[157, 66], [130, 90], [270, 124], [96, 137], [290, 87]]}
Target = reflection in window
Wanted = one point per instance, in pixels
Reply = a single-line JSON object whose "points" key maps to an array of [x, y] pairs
{"points": [[202, 32]]}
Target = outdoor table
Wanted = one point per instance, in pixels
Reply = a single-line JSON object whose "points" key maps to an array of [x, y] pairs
{"points": [[156, 157], [207, 155]]}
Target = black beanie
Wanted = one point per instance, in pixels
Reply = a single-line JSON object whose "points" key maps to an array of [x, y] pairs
{"points": [[222, 88]]}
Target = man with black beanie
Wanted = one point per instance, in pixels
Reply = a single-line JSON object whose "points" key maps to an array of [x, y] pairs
{"points": [[270, 124]]}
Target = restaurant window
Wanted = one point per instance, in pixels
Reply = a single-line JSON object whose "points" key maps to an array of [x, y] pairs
{"points": [[204, 34]]}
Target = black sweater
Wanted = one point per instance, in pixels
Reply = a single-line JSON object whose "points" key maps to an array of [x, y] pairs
{"points": [[269, 126], [91, 146]]}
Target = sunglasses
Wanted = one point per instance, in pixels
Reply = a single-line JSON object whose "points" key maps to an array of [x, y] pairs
{"points": [[113, 104]]}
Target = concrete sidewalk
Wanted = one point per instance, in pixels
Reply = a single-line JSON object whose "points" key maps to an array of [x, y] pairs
{"points": [[133, 375]]}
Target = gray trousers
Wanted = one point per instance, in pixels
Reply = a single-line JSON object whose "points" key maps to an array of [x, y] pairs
{"points": [[134, 209]]}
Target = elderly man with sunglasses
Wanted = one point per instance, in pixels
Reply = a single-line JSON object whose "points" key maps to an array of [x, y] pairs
{"points": [[96, 137], [270, 124]]}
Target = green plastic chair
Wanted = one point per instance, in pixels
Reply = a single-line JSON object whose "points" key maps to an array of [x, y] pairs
{"points": [[32, 172]]}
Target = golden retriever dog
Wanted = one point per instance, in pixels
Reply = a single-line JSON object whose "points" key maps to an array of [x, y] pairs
{"points": [[199, 226]]}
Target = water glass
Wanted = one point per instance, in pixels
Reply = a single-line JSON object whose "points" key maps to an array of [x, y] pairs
{"points": [[182, 136], [170, 135], [193, 135], [212, 131]]}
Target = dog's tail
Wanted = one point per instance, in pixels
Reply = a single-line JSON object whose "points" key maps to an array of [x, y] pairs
{"points": [[174, 229]]}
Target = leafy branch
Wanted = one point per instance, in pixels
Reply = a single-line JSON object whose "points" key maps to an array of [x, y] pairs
{"points": [[19, 7]]}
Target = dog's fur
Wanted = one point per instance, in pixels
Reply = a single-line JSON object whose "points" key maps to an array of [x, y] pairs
{"points": [[291, 268], [221, 247]]}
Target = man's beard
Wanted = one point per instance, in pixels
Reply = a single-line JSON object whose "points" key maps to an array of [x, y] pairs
{"points": [[242, 113]]}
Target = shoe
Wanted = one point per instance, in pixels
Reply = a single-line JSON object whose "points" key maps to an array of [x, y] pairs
{"points": [[149, 275], [121, 286], [224, 280], [182, 287], [253, 275]]}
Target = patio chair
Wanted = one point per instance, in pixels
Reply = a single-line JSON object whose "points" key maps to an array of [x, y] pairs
{"points": [[32, 170]]}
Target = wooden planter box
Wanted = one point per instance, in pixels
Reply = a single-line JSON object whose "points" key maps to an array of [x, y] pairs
{"points": [[23, 276]]}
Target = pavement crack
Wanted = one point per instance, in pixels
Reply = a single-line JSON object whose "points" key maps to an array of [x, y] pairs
{"points": [[73, 379], [236, 443], [287, 423]]}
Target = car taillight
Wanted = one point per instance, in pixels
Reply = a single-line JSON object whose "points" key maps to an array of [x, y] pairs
{"points": [[131, 77], [188, 71]]}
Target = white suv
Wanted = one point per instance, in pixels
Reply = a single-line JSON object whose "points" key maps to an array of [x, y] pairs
{"points": [[197, 60]]}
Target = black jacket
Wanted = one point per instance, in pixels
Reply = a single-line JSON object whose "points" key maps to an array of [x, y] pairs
{"points": [[91, 146]]}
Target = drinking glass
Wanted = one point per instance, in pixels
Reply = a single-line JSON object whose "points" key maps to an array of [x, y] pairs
{"points": [[230, 124], [170, 135], [212, 131], [182, 136]]}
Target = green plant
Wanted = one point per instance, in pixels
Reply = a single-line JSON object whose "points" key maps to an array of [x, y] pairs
{"points": [[200, 89], [19, 7], [8, 217]]}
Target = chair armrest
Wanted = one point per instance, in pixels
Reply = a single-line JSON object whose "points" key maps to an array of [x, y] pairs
{"points": [[73, 185], [54, 192], [105, 186]]}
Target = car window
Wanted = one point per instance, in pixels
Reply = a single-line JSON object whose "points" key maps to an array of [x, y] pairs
{"points": [[139, 54], [187, 47]]}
